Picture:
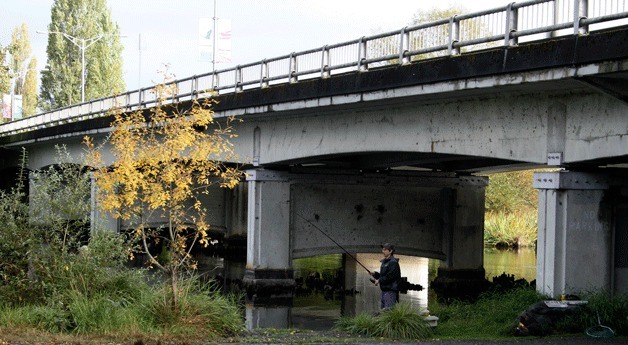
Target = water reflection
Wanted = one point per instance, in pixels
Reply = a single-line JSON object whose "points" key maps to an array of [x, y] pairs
{"points": [[319, 306], [521, 263]]}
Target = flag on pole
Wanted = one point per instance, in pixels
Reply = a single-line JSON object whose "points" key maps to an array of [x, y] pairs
{"points": [[222, 39], [205, 39]]}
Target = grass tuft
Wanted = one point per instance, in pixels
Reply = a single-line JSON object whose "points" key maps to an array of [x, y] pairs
{"points": [[400, 322], [361, 324]]}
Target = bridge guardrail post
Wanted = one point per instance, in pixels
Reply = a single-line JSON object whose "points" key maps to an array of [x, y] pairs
{"points": [[292, 68], [325, 62], [263, 78], [580, 8], [215, 81], [139, 98], [194, 88], [238, 79], [511, 25], [404, 46], [362, 54], [454, 36]]}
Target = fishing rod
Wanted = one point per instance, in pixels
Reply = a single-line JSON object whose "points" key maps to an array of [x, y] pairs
{"points": [[336, 243]]}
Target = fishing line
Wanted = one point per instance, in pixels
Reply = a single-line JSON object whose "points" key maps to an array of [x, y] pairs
{"points": [[336, 243]]}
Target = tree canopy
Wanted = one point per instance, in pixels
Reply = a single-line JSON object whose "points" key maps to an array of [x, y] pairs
{"points": [[5, 75], [81, 26], [20, 50], [29, 90]]}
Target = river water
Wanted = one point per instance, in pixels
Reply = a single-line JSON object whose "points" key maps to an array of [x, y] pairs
{"points": [[321, 299]]}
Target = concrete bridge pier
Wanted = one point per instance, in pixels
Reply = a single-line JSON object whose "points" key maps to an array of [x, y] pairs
{"points": [[462, 273], [577, 208], [268, 269], [100, 220]]}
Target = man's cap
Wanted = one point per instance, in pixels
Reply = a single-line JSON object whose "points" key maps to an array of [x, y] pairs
{"points": [[388, 246]]}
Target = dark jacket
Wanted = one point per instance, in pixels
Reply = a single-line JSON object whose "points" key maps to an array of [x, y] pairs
{"points": [[389, 274]]}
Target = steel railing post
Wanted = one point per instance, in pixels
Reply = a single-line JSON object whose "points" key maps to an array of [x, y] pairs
{"points": [[238, 79], [362, 54], [292, 68], [263, 78], [215, 81], [580, 9], [404, 46], [325, 62], [454, 36], [511, 25]]}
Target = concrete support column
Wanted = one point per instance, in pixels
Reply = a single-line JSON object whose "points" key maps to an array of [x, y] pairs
{"points": [[236, 208], [268, 264], [462, 273], [100, 220], [574, 248]]}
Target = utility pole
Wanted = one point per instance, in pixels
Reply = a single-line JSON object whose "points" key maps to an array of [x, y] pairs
{"points": [[214, 18]]}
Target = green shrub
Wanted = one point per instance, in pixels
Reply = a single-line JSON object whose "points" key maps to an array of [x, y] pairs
{"points": [[97, 268]]}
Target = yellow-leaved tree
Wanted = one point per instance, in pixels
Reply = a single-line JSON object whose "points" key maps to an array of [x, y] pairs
{"points": [[163, 163]]}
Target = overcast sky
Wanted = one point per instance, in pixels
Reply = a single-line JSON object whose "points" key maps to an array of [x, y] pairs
{"points": [[260, 28]]}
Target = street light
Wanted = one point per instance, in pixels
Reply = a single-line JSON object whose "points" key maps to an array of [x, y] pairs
{"points": [[84, 44]]}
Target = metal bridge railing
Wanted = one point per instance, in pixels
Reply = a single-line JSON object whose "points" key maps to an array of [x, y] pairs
{"points": [[502, 26]]}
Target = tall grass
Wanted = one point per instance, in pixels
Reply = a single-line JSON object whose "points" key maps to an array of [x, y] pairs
{"points": [[202, 310], [203, 313], [400, 322], [491, 316], [515, 229], [611, 310]]}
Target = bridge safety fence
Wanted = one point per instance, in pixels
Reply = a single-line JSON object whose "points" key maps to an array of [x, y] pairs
{"points": [[507, 25]]}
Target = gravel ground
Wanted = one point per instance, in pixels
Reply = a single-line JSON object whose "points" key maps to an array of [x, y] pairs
{"points": [[335, 337], [300, 337]]}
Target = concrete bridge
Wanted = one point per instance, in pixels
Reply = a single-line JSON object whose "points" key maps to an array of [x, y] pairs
{"points": [[393, 151]]}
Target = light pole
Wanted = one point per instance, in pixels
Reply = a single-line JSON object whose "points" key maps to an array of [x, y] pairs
{"points": [[84, 44]]}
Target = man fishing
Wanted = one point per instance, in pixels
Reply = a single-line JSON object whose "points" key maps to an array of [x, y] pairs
{"points": [[389, 276]]}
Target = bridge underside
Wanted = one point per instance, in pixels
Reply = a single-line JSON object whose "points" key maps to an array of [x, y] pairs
{"points": [[328, 151], [413, 161]]}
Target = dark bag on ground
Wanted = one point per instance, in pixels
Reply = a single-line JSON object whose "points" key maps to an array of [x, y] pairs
{"points": [[541, 318]]}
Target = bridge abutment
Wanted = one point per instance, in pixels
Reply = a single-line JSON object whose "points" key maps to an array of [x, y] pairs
{"points": [[582, 221]]}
